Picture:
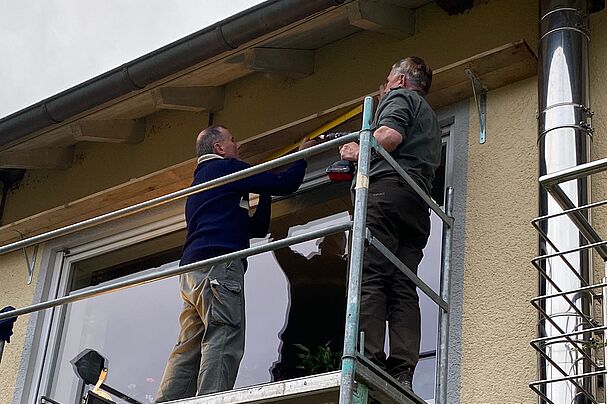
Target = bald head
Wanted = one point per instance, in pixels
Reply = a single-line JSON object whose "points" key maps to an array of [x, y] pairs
{"points": [[207, 139], [216, 139]]}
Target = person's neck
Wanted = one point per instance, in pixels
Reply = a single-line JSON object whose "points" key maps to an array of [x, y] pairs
{"points": [[416, 89]]}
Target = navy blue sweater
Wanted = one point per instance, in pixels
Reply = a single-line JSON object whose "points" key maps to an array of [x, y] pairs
{"points": [[218, 220]]}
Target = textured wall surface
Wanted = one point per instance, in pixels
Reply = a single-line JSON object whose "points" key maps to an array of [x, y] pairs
{"points": [[498, 321], [598, 103], [14, 292]]}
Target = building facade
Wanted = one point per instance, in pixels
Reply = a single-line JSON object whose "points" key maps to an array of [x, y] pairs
{"points": [[286, 74]]}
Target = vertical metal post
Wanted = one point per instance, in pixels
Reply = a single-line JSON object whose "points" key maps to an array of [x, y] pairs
{"points": [[358, 235], [564, 140], [1, 349], [443, 334]]}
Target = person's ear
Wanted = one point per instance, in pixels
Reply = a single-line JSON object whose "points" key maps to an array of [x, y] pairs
{"points": [[218, 149]]}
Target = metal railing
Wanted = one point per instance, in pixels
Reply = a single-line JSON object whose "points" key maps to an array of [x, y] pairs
{"points": [[354, 365], [589, 335]]}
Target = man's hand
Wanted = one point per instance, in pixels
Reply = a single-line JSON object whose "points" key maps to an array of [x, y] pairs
{"points": [[349, 151], [305, 143]]}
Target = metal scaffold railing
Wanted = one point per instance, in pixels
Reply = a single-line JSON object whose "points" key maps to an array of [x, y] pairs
{"points": [[588, 341], [359, 376]]}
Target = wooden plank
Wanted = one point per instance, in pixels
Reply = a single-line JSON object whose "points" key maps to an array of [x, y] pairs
{"points": [[294, 63], [123, 195], [196, 98], [59, 137], [495, 68], [110, 131], [256, 148]]}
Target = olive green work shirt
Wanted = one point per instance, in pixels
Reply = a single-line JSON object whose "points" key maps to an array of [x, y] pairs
{"points": [[419, 153]]}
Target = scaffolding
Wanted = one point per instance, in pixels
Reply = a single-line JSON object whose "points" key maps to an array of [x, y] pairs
{"points": [[358, 378], [589, 341]]}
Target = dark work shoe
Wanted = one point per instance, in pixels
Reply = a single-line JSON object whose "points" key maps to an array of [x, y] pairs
{"points": [[406, 379]]}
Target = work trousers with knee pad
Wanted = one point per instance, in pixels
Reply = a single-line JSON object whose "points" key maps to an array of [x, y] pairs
{"points": [[212, 333], [400, 220]]}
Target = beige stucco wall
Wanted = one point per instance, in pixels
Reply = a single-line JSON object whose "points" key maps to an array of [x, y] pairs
{"points": [[598, 103], [14, 291], [498, 322], [499, 281]]}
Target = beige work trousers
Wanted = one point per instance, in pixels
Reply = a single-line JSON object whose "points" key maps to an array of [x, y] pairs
{"points": [[211, 337]]}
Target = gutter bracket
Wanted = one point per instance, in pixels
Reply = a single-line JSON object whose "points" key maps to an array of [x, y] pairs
{"points": [[31, 264], [480, 98]]}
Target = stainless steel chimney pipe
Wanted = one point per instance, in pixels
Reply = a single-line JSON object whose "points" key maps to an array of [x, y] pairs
{"points": [[564, 138]]}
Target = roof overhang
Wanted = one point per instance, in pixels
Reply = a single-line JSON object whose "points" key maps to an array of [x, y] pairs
{"points": [[277, 36]]}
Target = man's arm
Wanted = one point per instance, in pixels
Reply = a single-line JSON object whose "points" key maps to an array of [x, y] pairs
{"points": [[280, 183], [387, 138], [392, 122]]}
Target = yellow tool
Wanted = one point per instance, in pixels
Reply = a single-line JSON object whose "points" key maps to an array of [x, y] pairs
{"points": [[329, 125]]}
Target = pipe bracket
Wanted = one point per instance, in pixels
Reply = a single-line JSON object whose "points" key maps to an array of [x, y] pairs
{"points": [[31, 264], [587, 127], [589, 113], [480, 98]]}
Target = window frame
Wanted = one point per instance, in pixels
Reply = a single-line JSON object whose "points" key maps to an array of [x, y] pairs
{"points": [[63, 252]]}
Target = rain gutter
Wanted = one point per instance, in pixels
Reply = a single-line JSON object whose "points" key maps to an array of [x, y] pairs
{"points": [[182, 54]]}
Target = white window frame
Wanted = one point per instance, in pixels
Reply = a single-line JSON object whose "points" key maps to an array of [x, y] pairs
{"points": [[60, 254]]}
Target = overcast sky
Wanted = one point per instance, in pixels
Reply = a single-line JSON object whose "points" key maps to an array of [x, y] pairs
{"points": [[47, 46]]}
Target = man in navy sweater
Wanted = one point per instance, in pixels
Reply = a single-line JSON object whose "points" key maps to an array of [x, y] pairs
{"points": [[212, 322]]}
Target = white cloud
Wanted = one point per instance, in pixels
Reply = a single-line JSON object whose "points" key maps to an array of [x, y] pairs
{"points": [[49, 46]]}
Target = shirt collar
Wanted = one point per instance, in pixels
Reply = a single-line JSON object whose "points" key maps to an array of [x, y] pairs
{"points": [[207, 157]]}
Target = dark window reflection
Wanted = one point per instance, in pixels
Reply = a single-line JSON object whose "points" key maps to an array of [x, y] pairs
{"points": [[312, 340], [438, 185]]}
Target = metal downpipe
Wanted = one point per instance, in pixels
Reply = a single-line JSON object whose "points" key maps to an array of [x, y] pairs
{"points": [[564, 138]]}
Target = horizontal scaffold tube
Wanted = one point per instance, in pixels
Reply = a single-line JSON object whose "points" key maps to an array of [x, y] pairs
{"points": [[167, 273], [161, 200]]}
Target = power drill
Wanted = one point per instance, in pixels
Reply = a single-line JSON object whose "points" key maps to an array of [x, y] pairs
{"points": [[342, 170]]}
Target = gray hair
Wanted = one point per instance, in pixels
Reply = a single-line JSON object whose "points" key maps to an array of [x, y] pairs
{"points": [[417, 72], [207, 139]]}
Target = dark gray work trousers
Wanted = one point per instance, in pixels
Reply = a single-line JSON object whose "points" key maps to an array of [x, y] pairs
{"points": [[212, 333], [400, 219]]}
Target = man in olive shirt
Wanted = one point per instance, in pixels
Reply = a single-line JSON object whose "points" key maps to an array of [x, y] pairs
{"points": [[407, 128]]}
